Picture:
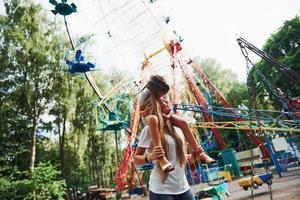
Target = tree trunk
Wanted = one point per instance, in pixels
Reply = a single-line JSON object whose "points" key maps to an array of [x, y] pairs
{"points": [[93, 168], [62, 149], [117, 152], [97, 171], [90, 168], [102, 173], [62, 154], [33, 152], [33, 145]]}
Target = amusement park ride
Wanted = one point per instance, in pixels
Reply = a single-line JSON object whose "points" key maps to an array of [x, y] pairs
{"points": [[245, 120], [63, 8], [78, 66]]}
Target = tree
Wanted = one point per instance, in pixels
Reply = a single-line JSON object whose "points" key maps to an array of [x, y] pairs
{"points": [[238, 95], [283, 45], [30, 53], [223, 79], [32, 60], [45, 183]]}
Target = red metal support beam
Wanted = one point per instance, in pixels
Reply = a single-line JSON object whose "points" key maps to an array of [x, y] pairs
{"points": [[173, 49], [201, 101], [226, 104]]}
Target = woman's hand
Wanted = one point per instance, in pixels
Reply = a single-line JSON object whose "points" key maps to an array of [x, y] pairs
{"points": [[157, 152], [189, 158]]}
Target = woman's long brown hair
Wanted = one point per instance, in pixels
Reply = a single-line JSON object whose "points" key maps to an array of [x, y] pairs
{"points": [[157, 85]]}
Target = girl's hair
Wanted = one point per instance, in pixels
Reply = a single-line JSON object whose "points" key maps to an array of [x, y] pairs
{"points": [[155, 87], [158, 85]]}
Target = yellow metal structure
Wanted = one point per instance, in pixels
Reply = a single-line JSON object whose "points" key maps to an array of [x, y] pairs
{"points": [[246, 125]]}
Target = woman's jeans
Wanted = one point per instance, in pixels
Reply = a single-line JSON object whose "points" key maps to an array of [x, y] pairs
{"points": [[184, 196]]}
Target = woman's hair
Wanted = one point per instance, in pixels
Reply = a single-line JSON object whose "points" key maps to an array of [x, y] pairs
{"points": [[146, 97], [155, 87], [169, 128]]}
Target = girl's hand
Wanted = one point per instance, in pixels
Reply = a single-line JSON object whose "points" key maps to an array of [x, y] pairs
{"points": [[146, 111], [166, 116]]}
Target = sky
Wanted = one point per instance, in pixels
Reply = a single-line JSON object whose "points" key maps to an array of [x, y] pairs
{"points": [[209, 28]]}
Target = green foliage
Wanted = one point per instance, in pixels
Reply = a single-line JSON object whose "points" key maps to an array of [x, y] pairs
{"points": [[283, 45], [30, 53], [18, 189], [44, 181], [238, 95], [47, 150], [223, 79]]}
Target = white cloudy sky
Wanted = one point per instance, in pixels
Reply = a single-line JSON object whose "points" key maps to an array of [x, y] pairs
{"points": [[209, 27]]}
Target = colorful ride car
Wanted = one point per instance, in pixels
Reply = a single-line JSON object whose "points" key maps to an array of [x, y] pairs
{"points": [[256, 180]]}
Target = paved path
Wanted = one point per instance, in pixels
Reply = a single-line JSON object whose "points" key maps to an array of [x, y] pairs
{"points": [[286, 188]]}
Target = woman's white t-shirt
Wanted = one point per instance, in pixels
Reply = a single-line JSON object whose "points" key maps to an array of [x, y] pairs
{"points": [[176, 182]]}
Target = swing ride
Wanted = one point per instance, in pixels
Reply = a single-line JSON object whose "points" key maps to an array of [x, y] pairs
{"points": [[63, 8], [77, 65], [270, 120], [158, 51]]}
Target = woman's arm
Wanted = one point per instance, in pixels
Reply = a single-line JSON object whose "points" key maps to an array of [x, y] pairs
{"points": [[139, 157]]}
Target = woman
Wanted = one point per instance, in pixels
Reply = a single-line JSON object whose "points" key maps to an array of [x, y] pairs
{"points": [[172, 185], [158, 88], [153, 120]]}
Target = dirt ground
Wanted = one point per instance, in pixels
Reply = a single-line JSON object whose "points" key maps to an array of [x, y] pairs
{"points": [[285, 188]]}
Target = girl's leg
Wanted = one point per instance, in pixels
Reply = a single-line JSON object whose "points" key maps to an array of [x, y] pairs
{"points": [[198, 151], [152, 122]]}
